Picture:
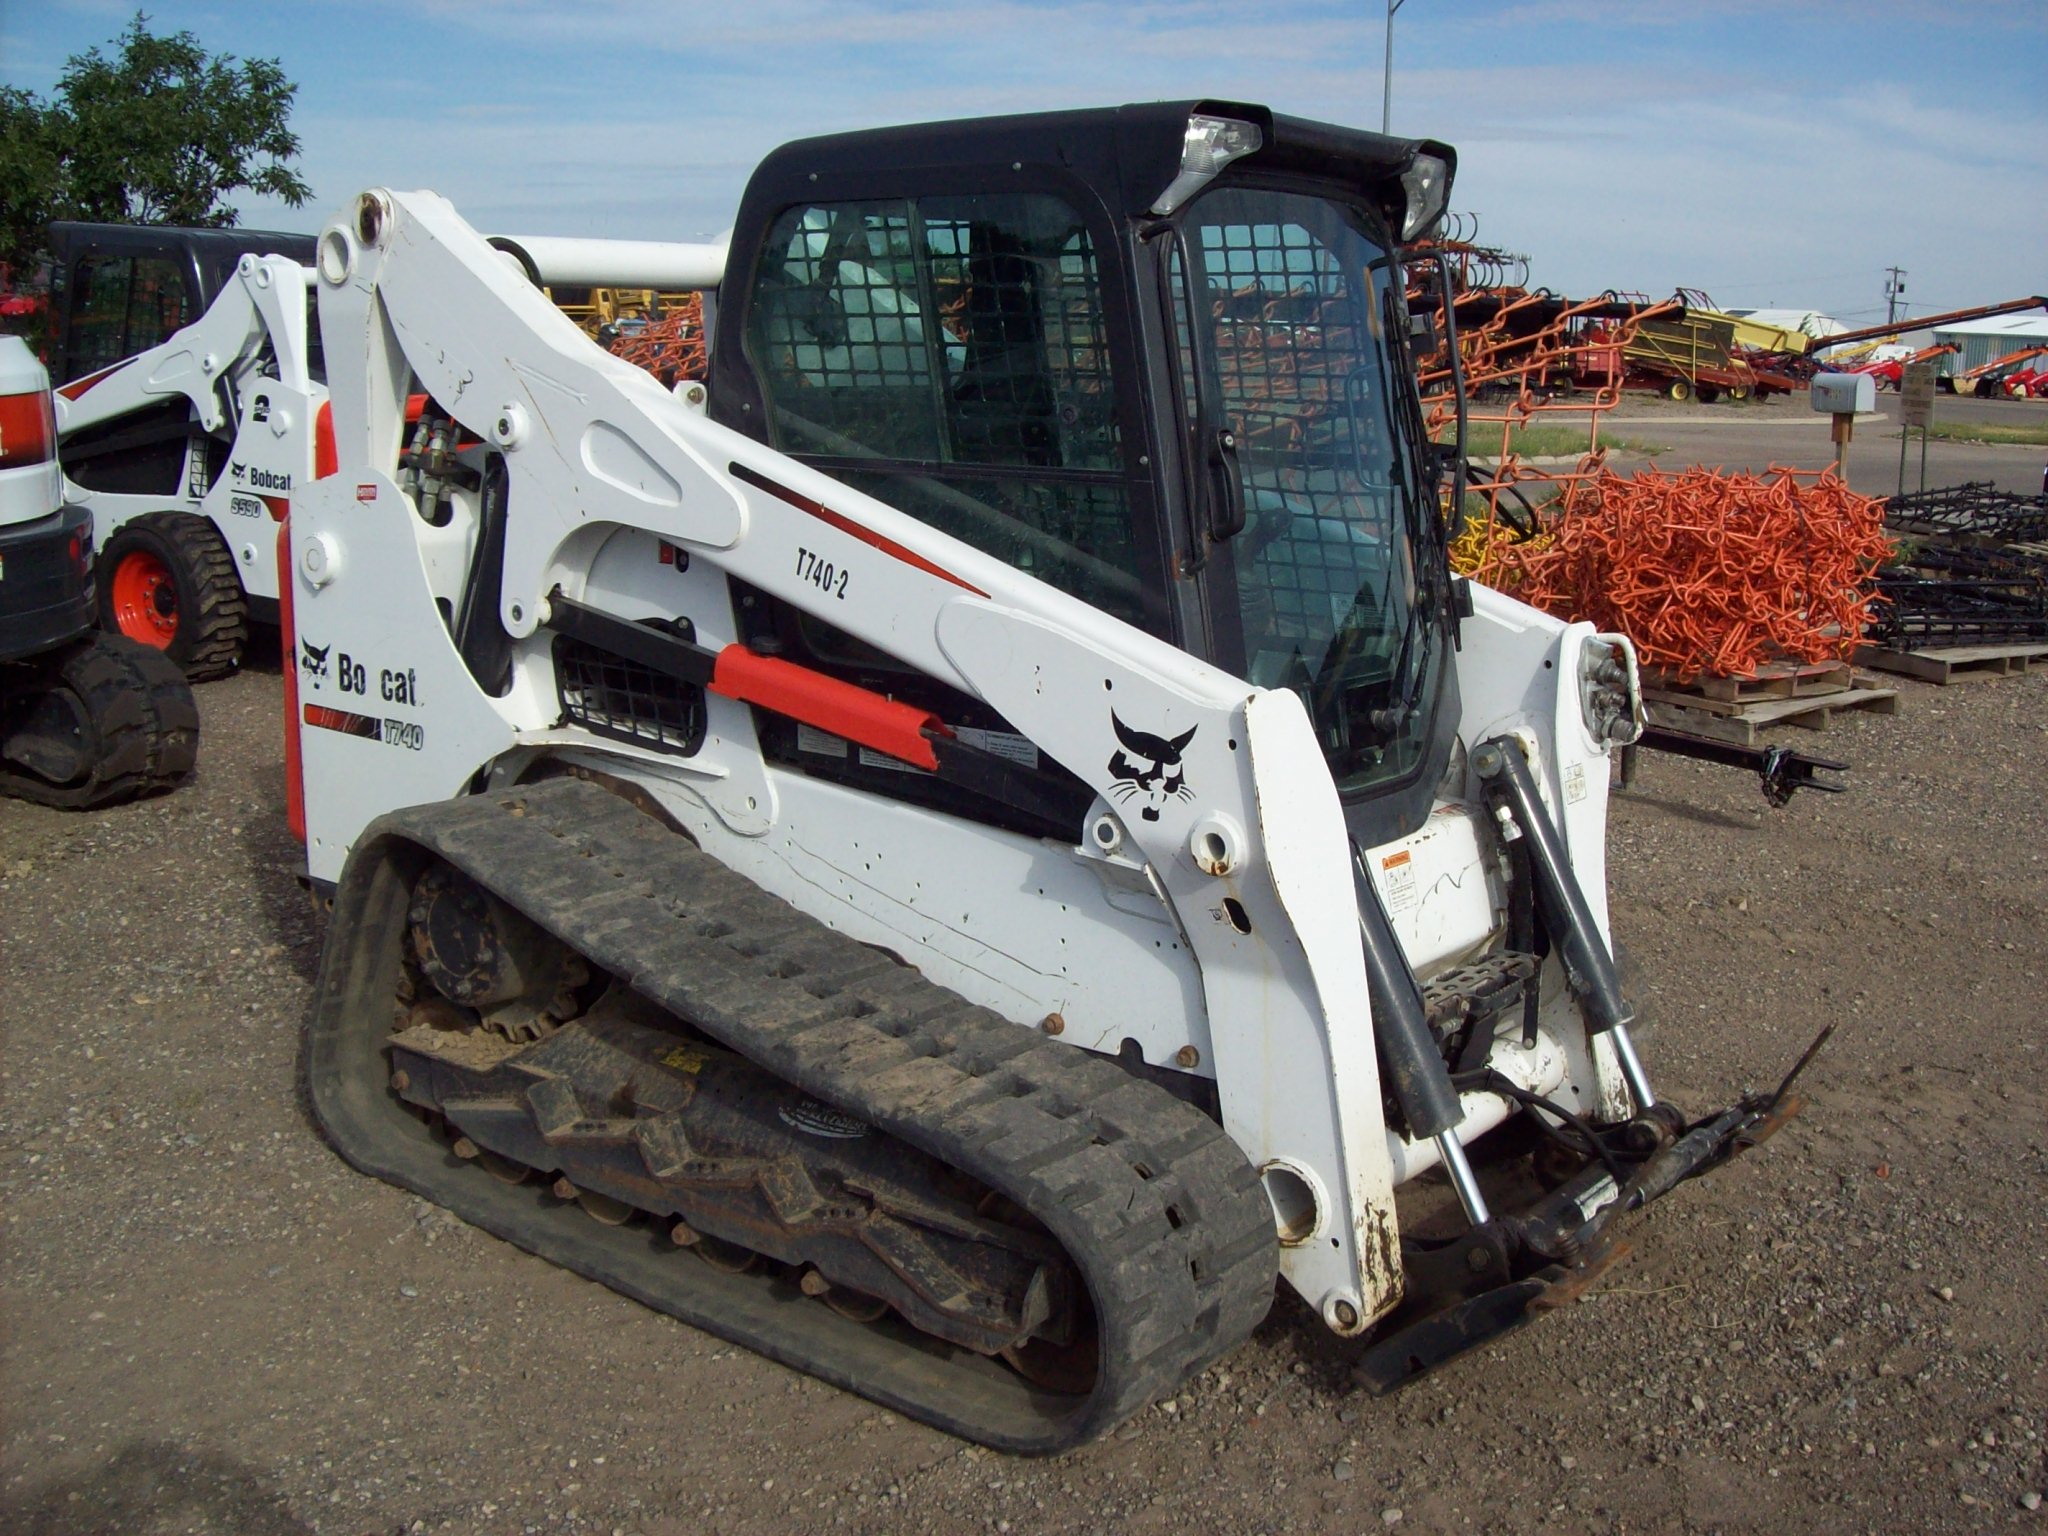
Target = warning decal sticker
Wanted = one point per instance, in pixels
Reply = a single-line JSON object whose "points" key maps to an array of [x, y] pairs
{"points": [[1397, 881]]}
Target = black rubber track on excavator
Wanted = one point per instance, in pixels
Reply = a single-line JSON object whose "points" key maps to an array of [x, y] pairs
{"points": [[143, 725], [1179, 1258]]}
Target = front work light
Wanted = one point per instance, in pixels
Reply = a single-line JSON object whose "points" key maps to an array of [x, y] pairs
{"points": [[1426, 181], [1211, 144]]}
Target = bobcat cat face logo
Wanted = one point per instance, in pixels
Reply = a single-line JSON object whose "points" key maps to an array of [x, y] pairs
{"points": [[313, 659], [1150, 766]]}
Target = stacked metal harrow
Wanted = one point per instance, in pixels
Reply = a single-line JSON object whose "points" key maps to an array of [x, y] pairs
{"points": [[1711, 573], [670, 345], [1972, 569], [1707, 573], [1525, 355]]}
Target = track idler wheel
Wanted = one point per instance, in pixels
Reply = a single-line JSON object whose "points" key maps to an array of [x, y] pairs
{"points": [[482, 955]]}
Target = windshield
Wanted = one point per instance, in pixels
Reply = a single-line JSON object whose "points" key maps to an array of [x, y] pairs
{"points": [[1290, 360]]}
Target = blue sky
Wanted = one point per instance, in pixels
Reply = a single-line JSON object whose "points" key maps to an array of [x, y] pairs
{"points": [[1769, 153]]}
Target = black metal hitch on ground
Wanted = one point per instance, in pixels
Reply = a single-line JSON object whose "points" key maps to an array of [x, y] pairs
{"points": [[1489, 1281], [1779, 770]]}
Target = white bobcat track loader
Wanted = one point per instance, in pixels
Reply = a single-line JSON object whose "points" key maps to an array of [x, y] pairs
{"points": [[987, 820], [187, 454]]}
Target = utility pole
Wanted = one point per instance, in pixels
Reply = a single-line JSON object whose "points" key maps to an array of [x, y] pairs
{"points": [[1894, 287], [1387, 89]]}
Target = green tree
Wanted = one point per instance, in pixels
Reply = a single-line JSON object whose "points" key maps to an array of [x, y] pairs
{"points": [[29, 176], [161, 133]]}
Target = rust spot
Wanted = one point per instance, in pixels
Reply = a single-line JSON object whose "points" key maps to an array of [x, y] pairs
{"points": [[1379, 1252]]}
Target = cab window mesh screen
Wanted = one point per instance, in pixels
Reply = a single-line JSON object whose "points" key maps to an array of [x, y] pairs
{"points": [[911, 347], [1286, 321], [99, 314], [159, 304]]}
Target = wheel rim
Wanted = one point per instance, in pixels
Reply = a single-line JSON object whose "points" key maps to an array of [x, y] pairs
{"points": [[145, 599]]}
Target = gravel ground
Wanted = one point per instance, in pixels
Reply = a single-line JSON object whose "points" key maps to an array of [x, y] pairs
{"points": [[214, 1325]]}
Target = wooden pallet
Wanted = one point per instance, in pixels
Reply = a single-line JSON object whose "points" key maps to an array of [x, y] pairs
{"points": [[1739, 723], [1945, 664], [1732, 695]]}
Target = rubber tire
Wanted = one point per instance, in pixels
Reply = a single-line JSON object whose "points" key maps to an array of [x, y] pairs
{"points": [[1678, 390], [212, 611], [142, 722], [1739, 393], [1709, 393]]}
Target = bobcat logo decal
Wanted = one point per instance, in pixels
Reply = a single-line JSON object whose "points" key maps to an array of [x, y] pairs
{"points": [[1148, 765], [313, 659]]}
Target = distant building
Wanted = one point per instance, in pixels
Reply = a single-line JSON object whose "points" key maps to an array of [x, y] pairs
{"points": [[1981, 341]]}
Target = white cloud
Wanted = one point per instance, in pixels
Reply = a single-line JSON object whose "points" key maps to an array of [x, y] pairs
{"points": [[1758, 176]]}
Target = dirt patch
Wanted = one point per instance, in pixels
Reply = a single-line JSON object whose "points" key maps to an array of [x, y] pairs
{"points": [[217, 1326]]}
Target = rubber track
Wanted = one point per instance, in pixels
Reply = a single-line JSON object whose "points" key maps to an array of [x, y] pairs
{"points": [[1157, 1207], [214, 634], [143, 715]]}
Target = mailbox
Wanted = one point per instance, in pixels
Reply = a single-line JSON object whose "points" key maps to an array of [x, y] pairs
{"points": [[1843, 394]]}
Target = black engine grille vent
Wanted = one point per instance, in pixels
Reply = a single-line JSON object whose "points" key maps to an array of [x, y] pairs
{"points": [[609, 695]]}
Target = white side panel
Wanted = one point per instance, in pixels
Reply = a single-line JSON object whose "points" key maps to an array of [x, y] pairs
{"points": [[1024, 927], [389, 715]]}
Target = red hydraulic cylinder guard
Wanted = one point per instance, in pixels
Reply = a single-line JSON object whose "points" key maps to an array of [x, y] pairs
{"points": [[326, 459], [827, 703]]}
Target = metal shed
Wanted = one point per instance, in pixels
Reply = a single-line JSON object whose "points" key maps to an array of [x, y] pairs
{"points": [[1980, 341]]}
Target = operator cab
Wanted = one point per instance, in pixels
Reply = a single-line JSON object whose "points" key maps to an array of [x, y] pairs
{"points": [[1157, 357]]}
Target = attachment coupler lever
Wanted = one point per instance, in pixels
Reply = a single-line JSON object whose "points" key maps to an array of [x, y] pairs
{"points": [[1589, 967]]}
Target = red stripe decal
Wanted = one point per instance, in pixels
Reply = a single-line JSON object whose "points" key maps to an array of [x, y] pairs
{"points": [[278, 505], [78, 387], [343, 721], [827, 703], [847, 525]]}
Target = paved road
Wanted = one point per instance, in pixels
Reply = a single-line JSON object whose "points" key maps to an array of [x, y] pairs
{"points": [[1786, 432]]}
